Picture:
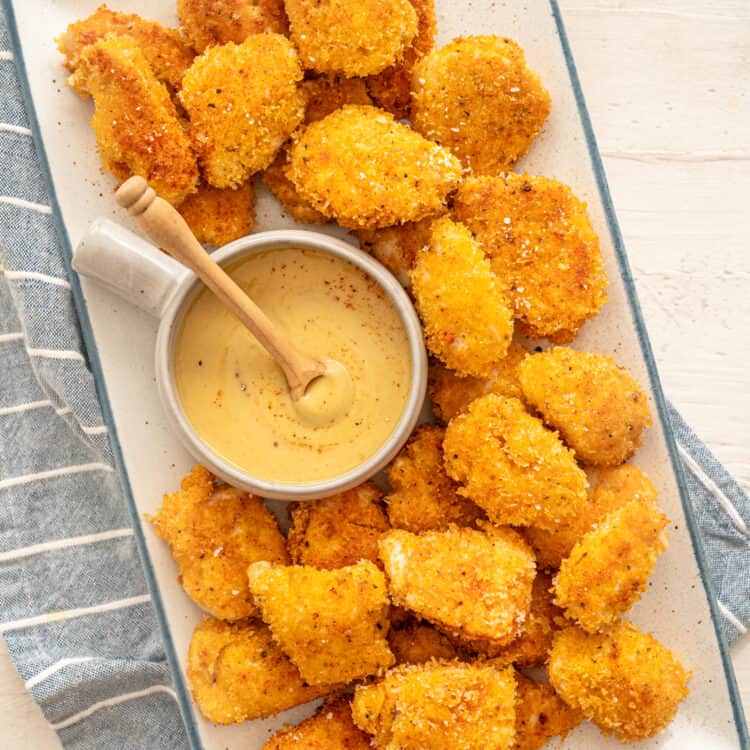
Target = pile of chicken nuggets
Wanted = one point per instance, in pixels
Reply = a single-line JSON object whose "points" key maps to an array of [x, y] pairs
{"points": [[515, 534]]}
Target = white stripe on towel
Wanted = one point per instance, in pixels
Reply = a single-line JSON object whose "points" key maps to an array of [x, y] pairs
{"points": [[35, 276], [715, 490], [50, 473], [56, 354], [99, 429], [728, 615], [68, 614], [62, 411], [56, 667], [15, 336], [76, 541], [6, 127], [113, 702], [24, 407], [21, 203], [6, 54]]}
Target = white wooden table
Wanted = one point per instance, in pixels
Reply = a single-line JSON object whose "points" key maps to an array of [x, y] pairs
{"points": [[668, 87]]}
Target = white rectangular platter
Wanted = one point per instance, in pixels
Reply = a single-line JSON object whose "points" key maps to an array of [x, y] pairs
{"points": [[676, 608]]}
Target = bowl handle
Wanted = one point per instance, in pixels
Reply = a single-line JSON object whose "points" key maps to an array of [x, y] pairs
{"points": [[127, 265]]}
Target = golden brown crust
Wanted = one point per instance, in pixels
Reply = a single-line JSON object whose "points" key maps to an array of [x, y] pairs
{"points": [[476, 97], [217, 216], [419, 642]]}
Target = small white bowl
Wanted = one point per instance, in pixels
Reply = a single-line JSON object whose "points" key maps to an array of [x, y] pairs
{"points": [[137, 271]]}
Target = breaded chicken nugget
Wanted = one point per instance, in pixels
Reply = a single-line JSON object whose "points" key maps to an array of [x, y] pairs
{"points": [[331, 623], [613, 488], [540, 714], [511, 465], [468, 322], [134, 120], [424, 497], [438, 706], [419, 642], [452, 393], [623, 680], [476, 97], [166, 53], [243, 102], [338, 531], [215, 532], [397, 247], [487, 592], [331, 728], [361, 167], [598, 407], [353, 37], [282, 188], [207, 23], [237, 673], [608, 569], [542, 245], [391, 88], [217, 216]]}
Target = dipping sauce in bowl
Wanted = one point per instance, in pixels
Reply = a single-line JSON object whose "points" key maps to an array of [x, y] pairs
{"points": [[236, 397]]}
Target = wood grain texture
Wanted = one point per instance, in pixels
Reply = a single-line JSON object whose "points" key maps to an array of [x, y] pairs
{"points": [[668, 88]]}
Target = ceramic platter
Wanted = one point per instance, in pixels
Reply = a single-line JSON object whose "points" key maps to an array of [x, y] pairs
{"points": [[677, 608]]}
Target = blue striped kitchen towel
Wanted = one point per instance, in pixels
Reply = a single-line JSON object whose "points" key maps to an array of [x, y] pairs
{"points": [[97, 665]]}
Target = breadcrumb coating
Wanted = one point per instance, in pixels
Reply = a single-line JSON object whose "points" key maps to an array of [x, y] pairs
{"points": [[541, 714], [167, 55], [613, 488], [237, 673], [609, 568], [598, 407], [134, 120], [282, 188], [214, 532], [542, 245], [208, 23], [438, 706], [419, 642], [452, 393], [391, 88], [424, 497], [623, 680], [353, 37], [476, 97], [330, 728], [468, 322], [243, 102], [331, 623], [338, 531], [488, 592], [361, 167], [511, 465], [217, 216]]}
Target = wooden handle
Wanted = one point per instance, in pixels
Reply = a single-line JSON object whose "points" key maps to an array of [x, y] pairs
{"points": [[164, 225]]}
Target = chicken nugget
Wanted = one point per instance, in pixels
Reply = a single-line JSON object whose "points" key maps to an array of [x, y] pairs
{"points": [[614, 487], [214, 532], [353, 37], [134, 120], [237, 673], [331, 728], [452, 393], [217, 216], [282, 188], [424, 497], [468, 322], [361, 167], [331, 623], [243, 102], [608, 569], [476, 97], [167, 55], [338, 531], [208, 23], [623, 680], [511, 465], [598, 407], [391, 88], [488, 592], [541, 714], [438, 706], [419, 642], [541, 243]]}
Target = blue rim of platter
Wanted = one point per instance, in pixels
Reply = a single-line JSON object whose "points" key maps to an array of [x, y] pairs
{"points": [[92, 353]]}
